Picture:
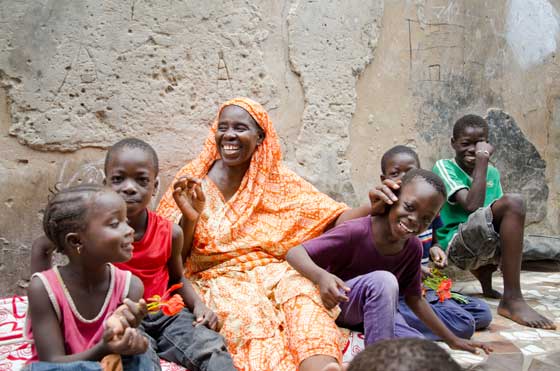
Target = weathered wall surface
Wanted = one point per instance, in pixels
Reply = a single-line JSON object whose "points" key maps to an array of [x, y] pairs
{"points": [[344, 80]]}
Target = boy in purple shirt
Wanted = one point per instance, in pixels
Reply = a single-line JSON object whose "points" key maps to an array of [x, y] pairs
{"points": [[463, 319], [363, 263]]}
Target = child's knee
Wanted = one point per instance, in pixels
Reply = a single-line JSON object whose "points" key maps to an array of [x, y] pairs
{"points": [[382, 280], [483, 319], [515, 203]]}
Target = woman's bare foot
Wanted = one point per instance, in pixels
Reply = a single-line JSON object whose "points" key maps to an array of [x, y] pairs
{"points": [[484, 276], [519, 311]]}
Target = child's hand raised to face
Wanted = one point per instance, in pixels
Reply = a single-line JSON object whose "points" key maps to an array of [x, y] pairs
{"points": [[330, 286], [188, 194], [484, 149], [383, 196]]}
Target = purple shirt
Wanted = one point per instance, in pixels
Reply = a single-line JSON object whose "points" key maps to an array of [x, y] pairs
{"points": [[348, 251]]}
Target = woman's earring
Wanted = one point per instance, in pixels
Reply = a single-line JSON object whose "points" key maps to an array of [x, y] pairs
{"points": [[79, 249]]}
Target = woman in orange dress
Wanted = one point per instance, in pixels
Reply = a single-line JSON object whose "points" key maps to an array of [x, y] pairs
{"points": [[244, 211]]}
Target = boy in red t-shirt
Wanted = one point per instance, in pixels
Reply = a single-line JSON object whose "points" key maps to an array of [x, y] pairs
{"points": [[187, 338]]}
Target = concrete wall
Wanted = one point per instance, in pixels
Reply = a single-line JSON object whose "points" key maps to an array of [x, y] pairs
{"points": [[343, 80]]}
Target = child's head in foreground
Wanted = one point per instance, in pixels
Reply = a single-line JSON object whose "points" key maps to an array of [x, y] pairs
{"points": [[89, 221], [403, 355], [420, 198], [131, 170], [397, 161], [467, 132]]}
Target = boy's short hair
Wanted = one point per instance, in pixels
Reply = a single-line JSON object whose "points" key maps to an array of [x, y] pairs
{"points": [[403, 355], [469, 121], [132, 143], [66, 212], [433, 179], [395, 151]]}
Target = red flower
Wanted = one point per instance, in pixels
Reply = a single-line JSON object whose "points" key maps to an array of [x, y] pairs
{"points": [[172, 306], [444, 289], [169, 305]]}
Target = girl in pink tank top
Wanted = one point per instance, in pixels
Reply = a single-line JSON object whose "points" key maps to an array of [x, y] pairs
{"points": [[88, 309]]}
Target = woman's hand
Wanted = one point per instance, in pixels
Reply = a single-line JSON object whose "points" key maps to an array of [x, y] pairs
{"points": [[330, 286], [188, 194], [469, 345], [130, 343], [383, 196], [438, 256], [205, 316]]}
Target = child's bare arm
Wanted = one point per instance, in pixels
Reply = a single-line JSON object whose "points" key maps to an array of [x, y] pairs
{"points": [[329, 284], [380, 197], [204, 315], [425, 313], [473, 198], [41, 254]]}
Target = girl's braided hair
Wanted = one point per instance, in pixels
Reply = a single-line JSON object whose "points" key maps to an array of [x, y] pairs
{"points": [[66, 212]]}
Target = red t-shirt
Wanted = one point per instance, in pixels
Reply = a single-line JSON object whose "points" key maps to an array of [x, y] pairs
{"points": [[151, 254]]}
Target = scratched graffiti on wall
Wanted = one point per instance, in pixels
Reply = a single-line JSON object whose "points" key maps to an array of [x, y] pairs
{"points": [[531, 30]]}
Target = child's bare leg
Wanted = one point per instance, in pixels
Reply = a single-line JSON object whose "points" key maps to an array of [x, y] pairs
{"points": [[509, 219], [320, 363], [484, 275]]}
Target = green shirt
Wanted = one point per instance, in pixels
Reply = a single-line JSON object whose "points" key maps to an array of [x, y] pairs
{"points": [[455, 179]]}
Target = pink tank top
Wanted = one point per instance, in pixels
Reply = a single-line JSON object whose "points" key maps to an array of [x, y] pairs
{"points": [[79, 333]]}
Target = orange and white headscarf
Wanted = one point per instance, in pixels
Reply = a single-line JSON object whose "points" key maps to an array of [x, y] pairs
{"points": [[273, 210]]}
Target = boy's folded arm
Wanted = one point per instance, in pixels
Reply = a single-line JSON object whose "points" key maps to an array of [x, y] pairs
{"points": [[473, 198], [41, 254]]}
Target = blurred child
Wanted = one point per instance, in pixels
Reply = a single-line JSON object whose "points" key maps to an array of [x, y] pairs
{"points": [[482, 226], [463, 319], [364, 263], [72, 308], [403, 355], [187, 338]]}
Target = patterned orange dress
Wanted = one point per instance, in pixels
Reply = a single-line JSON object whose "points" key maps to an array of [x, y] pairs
{"points": [[272, 317]]}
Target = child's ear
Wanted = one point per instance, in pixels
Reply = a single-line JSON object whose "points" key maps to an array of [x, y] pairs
{"points": [[382, 177], [73, 240], [452, 141], [156, 187], [104, 181]]}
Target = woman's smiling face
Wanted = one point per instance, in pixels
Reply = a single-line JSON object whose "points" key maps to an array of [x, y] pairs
{"points": [[237, 136]]}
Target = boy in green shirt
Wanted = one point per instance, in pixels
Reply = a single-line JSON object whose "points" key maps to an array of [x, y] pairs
{"points": [[482, 226]]}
